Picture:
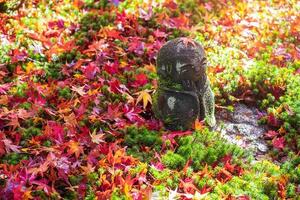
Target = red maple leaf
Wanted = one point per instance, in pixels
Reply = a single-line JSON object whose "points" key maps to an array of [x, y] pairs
{"points": [[10, 147], [243, 197], [188, 186], [136, 46], [159, 34], [140, 80], [224, 175], [278, 143], [271, 134], [115, 86], [112, 68], [113, 112], [171, 136], [205, 189], [115, 34], [171, 5], [132, 114], [90, 70], [273, 121], [17, 55], [55, 131]]}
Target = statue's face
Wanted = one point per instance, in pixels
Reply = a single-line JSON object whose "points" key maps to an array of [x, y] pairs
{"points": [[177, 61], [185, 67], [189, 67]]}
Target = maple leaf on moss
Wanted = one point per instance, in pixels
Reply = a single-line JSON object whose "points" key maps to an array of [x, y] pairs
{"points": [[198, 125], [140, 80], [132, 113], [145, 97], [271, 134], [278, 143]]}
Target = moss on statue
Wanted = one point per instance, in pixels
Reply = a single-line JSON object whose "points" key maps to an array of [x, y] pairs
{"points": [[168, 83]]}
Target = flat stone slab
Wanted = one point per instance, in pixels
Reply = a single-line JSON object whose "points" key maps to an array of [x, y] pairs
{"points": [[241, 127]]}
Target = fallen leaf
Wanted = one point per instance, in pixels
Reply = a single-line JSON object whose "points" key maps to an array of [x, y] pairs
{"points": [[74, 148], [145, 97], [97, 138], [79, 90], [278, 143]]}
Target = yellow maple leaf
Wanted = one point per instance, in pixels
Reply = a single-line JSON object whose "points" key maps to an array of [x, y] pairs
{"points": [[97, 138], [29, 67], [145, 96]]}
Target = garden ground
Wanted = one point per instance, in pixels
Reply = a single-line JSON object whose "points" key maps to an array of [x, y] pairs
{"points": [[76, 79]]}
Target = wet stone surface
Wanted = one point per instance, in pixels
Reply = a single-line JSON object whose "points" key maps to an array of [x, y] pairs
{"points": [[241, 127]]}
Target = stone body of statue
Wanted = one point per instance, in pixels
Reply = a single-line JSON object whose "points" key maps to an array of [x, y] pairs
{"points": [[184, 92]]}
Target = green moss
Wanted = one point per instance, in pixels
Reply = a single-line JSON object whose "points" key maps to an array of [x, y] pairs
{"points": [[170, 84], [117, 195], [65, 93], [14, 158], [47, 143], [141, 136], [102, 4], [20, 89], [31, 132], [91, 23], [173, 160], [90, 195], [137, 138], [75, 180], [206, 147], [40, 194], [93, 177], [25, 105]]}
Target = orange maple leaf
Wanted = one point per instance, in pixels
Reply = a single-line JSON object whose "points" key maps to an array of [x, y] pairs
{"points": [[71, 120], [88, 169], [74, 148], [198, 125]]}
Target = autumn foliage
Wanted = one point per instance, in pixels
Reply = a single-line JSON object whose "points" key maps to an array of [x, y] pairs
{"points": [[76, 85]]}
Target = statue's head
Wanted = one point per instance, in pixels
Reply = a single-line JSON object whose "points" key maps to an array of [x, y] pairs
{"points": [[181, 59]]}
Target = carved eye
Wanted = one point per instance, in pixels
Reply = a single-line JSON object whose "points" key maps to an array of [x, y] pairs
{"points": [[203, 62], [187, 67]]}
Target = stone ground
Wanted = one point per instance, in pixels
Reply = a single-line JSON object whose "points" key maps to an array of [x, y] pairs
{"points": [[241, 127]]}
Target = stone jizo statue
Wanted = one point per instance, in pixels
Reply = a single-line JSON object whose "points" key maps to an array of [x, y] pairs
{"points": [[184, 92]]}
